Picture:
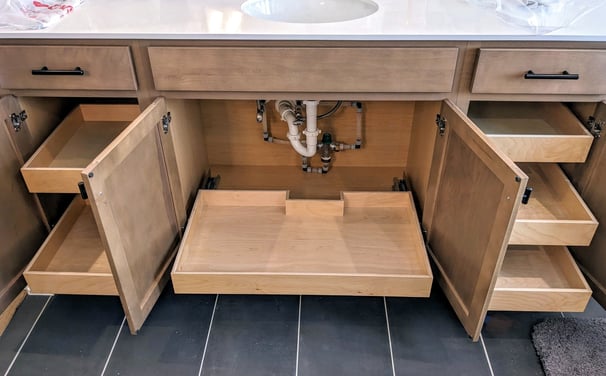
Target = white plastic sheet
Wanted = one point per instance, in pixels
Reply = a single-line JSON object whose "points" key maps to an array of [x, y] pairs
{"points": [[34, 14], [540, 16]]}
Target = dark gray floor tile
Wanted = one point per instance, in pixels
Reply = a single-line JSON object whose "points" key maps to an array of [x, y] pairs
{"points": [[427, 338], [17, 330], [343, 336], [170, 342], [253, 335], [594, 309], [508, 342], [73, 337]]}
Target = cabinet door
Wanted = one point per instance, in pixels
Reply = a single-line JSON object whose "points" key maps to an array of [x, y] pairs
{"points": [[129, 192], [590, 178], [21, 227], [473, 195]]}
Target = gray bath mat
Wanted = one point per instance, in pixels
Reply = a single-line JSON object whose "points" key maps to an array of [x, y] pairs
{"points": [[571, 346]]}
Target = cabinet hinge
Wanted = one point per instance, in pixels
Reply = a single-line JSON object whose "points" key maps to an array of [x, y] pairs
{"points": [[166, 119], [595, 126], [441, 123], [399, 185], [18, 119]]}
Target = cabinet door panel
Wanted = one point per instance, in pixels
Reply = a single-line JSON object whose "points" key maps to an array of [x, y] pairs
{"points": [[474, 192], [590, 178], [130, 194], [21, 227]]}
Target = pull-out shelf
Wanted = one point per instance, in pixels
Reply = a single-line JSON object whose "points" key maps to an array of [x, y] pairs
{"points": [[533, 132], [540, 278], [84, 133], [555, 213], [261, 242], [72, 260]]}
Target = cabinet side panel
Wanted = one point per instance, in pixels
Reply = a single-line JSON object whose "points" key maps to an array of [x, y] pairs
{"points": [[421, 148], [21, 229]]}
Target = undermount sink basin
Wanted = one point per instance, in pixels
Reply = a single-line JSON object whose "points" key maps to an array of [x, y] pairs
{"points": [[309, 11]]}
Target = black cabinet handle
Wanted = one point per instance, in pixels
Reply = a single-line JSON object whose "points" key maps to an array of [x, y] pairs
{"points": [[44, 71], [530, 75]]}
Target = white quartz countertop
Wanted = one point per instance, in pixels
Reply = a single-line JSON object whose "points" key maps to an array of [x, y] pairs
{"points": [[396, 20]]}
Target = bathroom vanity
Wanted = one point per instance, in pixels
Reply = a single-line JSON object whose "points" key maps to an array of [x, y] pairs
{"points": [[138, 121]]}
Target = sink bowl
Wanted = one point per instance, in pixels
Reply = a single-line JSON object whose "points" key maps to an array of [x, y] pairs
{"points": [[309, 11]]}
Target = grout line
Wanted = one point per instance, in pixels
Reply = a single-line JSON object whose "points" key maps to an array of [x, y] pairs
{"points": [[210, 326], [111, 351], [486, 354], [27, 336], [393, 365], [298, 338]]}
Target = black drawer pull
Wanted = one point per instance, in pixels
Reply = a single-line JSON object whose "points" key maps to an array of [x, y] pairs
{"points": [[530, 75], [44, 71]]}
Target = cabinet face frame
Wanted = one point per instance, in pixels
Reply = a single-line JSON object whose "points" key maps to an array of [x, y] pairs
{"points": [[473, 189], [130, 194]]}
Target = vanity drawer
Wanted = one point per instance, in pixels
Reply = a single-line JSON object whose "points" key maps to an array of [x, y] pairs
{"points": [[57, 164], [298, 69], [555, 213], [540, 278], [533, 131], [66, 68], [72, 260], [262, 242], [539, 71]]}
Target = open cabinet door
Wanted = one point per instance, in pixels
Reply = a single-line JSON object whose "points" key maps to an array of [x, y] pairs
{"points": [[129, 192], [589, 179], [473, 195]]}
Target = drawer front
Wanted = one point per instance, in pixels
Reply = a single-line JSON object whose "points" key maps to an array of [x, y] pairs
{"points": [[67, 67], [304, 69], [506, 71]]}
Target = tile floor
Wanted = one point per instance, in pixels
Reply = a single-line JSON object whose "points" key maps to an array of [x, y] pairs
{"points": [[265, 335]]}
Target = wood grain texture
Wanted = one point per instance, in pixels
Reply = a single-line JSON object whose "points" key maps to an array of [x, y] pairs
{"points": [[131, 198], [474, 191], [272, 69], [502, 71], [305, 185], [106, 68], [260, 249], [72, 260], [537, 278], [189, 148], [22, 230], [555, 213], [233, 137], [56, 165], [420, 153], [593, 258], [533, 131]]}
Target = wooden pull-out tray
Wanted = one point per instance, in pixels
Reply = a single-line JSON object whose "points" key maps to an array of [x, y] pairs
{"points": [[72, 260], [56, 166], [260, 242], [533, 132], [540, 278], [555, 213]]}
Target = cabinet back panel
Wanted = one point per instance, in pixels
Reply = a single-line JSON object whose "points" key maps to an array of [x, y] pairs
{"points": [[233, 137]]}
